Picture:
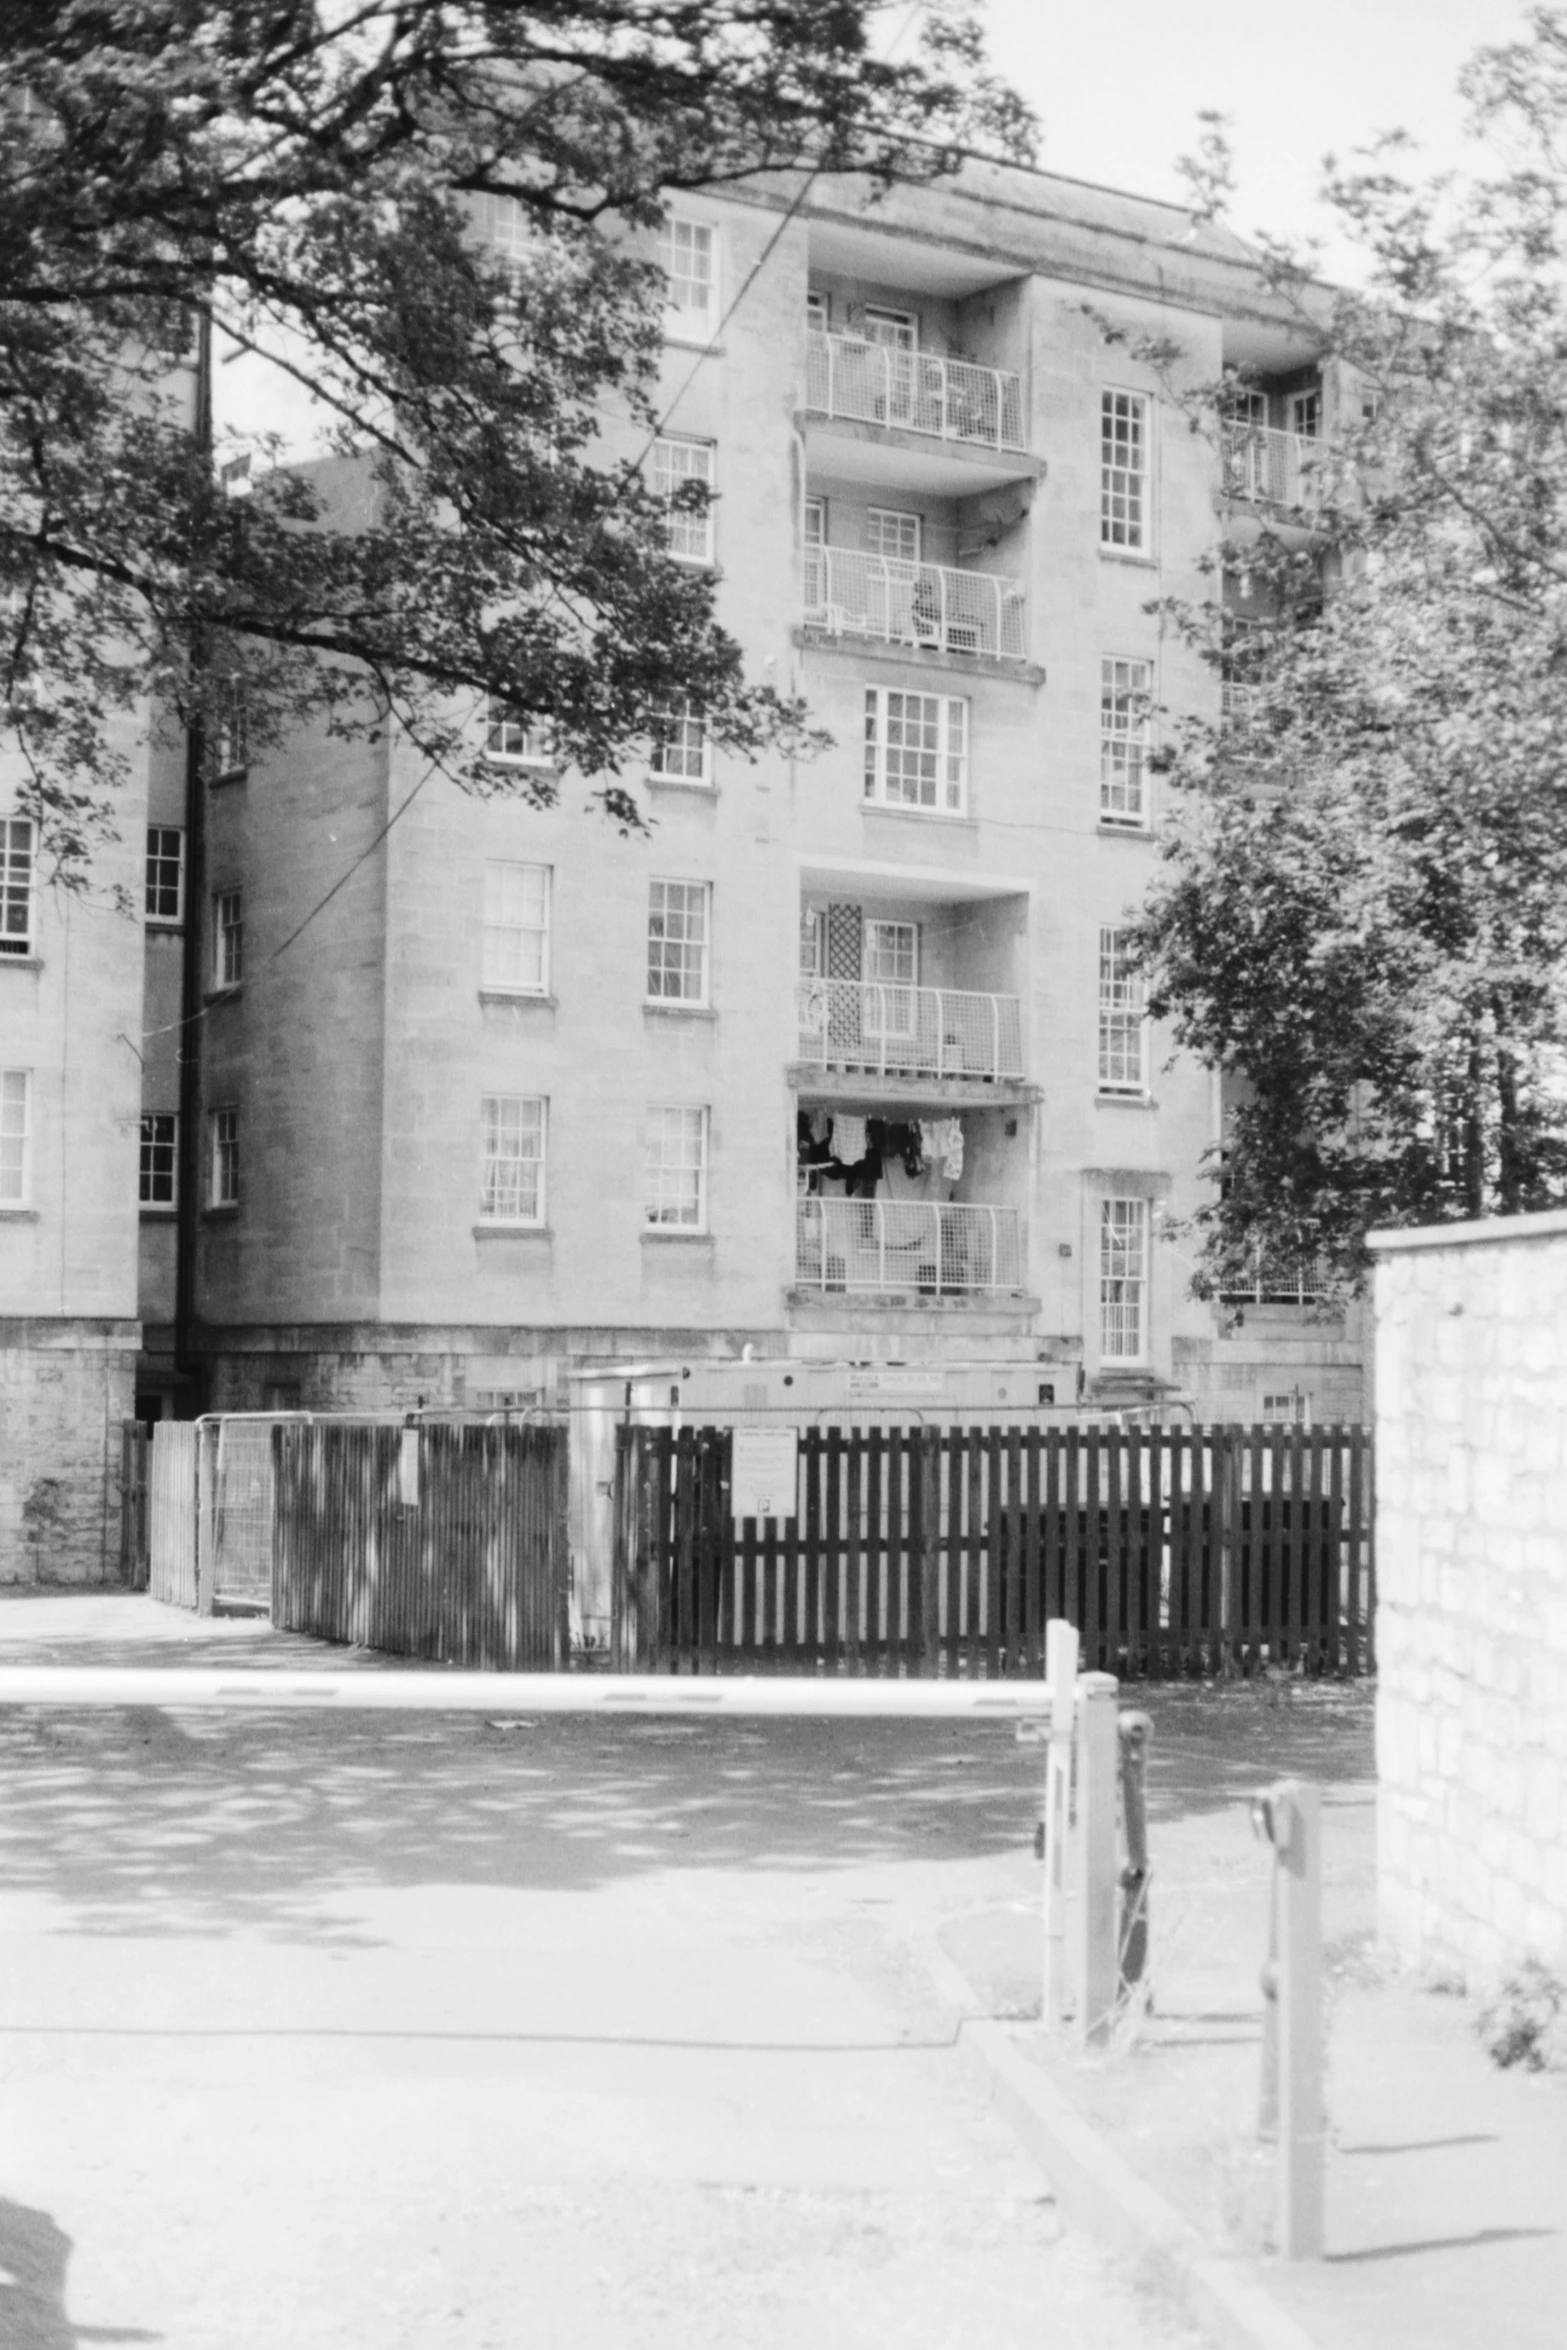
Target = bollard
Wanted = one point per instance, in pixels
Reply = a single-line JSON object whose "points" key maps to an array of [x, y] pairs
{"points": [[1290, 1816], [1095, 1973], [1061, 1648]]}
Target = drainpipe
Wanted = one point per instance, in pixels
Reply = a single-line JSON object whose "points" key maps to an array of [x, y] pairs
{"points": [[187, 1364]]}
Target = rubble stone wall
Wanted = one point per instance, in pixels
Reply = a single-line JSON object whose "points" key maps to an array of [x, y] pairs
{"points": [[1471, 1456]]}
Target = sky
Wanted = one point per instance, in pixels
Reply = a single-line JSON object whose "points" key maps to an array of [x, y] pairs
{"points": [[1119, 89]]}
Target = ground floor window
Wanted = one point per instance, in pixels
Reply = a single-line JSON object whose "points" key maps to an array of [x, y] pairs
{"points": [[1123, 1280]]}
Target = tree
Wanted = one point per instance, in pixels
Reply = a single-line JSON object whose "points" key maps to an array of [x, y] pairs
{"points": [[323, 179], [1362, 918]]}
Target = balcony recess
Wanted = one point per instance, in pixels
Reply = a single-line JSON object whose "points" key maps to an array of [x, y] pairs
{"points": [[923, 1247], [859, 1025], [913, 391], [1265, 467], [921, 605]]}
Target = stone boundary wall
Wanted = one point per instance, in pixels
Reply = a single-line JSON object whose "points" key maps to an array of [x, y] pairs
{"points": [[1471, 1436], [66, 1388]]}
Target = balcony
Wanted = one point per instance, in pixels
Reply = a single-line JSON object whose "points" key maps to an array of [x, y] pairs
{"points": [[913, 391], [1294, 1281], [859, 1025], [920, 605], [920, 1246], [1264, 467]]}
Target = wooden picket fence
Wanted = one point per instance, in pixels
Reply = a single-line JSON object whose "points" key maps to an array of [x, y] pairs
{"points": [[441, 1541], [918, 1550]]}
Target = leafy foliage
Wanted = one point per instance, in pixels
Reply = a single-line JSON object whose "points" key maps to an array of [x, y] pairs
{"points": [[1363, 915], [317, 178]]}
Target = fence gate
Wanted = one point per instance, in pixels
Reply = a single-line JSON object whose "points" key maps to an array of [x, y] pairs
{"points": [[135, 1450], [234, 1510], [171, 1513], [920, 1550]]}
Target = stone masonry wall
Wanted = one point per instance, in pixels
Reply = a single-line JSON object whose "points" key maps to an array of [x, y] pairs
{"points": [[1471, 1434], [65, 1390]]}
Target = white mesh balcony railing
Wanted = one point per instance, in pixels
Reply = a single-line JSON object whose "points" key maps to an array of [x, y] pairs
{"points": [[944, 1250], [920, 604], [1278, 1281], [1268, 468], [926, 1031], [951, 399]]}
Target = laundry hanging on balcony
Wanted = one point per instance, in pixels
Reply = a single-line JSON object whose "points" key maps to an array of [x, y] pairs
{"points": [[942, 1142]]}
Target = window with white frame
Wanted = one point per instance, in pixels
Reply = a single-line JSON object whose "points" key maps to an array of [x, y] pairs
{"points": [[160, 1134], [889, 532], [512, 740], [516, 957], [815, 537], [512, 1189], [1123, 470], [688, 253], [1304, 411], [165, 898], [16, 1086], [230, 727], [16, 885], [677, 461], [897, 330], [228, 939], [508, 231], [1123, 740], [1123, 1280], [1123, 1033], [223, 1158], [674, 1170], [892, 965], [816, 313], [1294, 1409], [679, 753], [678, 924], [892, 953], [916, 750]]}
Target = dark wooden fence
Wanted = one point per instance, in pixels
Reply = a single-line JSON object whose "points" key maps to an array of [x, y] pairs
{"points": [[440, 1541], [923, 1550]]}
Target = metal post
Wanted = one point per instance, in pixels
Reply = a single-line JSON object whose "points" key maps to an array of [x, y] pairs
{"points": [[1061, 1645], [1095, 1972], [1290, 1815], [1133, 1953]]}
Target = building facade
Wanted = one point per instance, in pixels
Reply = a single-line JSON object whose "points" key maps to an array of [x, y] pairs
{"points": [[841, 1056], [70, 1111]]}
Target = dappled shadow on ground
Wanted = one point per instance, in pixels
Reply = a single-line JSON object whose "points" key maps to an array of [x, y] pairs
{"points": [[150, 1822], [1216, 1744]]}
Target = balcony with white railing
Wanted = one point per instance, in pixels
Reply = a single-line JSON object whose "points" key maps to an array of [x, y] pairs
{"points": [[956, 1249], [921, 605], [1278, 1281], [1264, 467], [913, 391], [859, 1025]]}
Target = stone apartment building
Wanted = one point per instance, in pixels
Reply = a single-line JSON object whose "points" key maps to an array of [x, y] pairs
{"points": [[840, 1057]]}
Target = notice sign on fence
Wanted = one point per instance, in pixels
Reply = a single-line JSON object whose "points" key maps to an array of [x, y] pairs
{"points": [[763, 1473]]}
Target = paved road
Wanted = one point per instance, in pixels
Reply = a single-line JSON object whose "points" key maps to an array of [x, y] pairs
{"points": [[350, 2032]]}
